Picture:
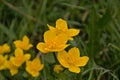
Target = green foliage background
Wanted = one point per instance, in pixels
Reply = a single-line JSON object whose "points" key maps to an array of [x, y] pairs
{"points": [[98, 20]]}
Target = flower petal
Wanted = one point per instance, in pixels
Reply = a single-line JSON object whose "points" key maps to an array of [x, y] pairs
{"points": [[73, 32], [50, 27], [27, 56], [61, 24], [74, 69], [18, 52], [17, 43], [62, 39], [41, 47], [82, 61], [61, 56], [49, 35], [74, 52], [25, 39]]}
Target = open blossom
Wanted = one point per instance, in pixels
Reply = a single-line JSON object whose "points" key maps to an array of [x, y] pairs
{"points": [[19, 57], [72, 59], [52, 43], [13, 69], [33, 67], [16, 61], [24, 44], [5, 48], [61, 27]]}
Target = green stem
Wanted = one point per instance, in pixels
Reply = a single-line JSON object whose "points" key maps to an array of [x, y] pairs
{"points": [[44, 70], [55, 57]]}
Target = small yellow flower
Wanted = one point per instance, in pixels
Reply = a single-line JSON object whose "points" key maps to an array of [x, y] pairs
{"points": [[13, 69], [19, 58], [61, 27], [5, 48], [58, 68], [52, 43], [3, 60], [33, 67], [16, 61], [72, 59], [24, 44]]}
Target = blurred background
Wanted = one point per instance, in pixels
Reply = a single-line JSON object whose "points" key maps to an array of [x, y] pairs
{"points": [[98, 21]]}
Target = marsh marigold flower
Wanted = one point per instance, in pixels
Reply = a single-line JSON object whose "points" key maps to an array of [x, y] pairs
{"points": [[72, 59], [5, 48], [61, 27], [19, 57], [16, 61], [33, 67], [24, 44], [3, 60], [52, 43], [58, 68], [13, 69]]}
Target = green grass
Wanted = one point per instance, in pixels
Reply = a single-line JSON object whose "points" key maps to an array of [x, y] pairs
{"points": [[98, 20]]}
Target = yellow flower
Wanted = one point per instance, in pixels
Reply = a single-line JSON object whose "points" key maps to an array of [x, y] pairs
{"points": [[72, 59], [16, 61], [13, 69], [61, 27], [58, 68], [19, 58], [5, 48], [3, 60], [52, 43], [24, 44], [33, 67]]}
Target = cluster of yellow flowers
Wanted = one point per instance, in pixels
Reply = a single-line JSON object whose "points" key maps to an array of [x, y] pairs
{"points": [[19, 58], [55, 40]]}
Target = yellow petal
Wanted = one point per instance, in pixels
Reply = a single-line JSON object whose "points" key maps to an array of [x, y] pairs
{"points": [[61, 56], [17, 43], [82, 61], [27, 56], [38, 64], [58, 68], [62, 39], [41, 47], [33, 67], [74, 52], [18, 52], [35, 74], [73, 32], [61, 24], [62, 47], [50, 27], [3, 60], [13, 71], [25, 39], [74, 69], [25, 43], [6, 48], [49, 35]]}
